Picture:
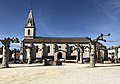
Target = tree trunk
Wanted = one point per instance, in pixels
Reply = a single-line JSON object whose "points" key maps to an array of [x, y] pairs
{"points": [[15, 56], [116, 55], [92, 61], [81, 58], [29, 57], [92, 56], [5, 58], [78, 57]]}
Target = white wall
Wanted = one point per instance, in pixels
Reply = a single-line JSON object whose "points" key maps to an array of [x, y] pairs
{"points": [[31, 32], [111, 51], [39, 54], [118, 52], [51, 53], [0, 56], [63, 48]]}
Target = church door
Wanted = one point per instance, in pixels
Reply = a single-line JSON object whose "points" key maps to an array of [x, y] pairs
{"points": [[59, 56]]}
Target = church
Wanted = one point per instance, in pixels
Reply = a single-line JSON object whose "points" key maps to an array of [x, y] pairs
{"points": [[55, 47]]}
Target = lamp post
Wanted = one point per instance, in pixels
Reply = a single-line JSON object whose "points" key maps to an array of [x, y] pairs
{"points": [[93, 50]]}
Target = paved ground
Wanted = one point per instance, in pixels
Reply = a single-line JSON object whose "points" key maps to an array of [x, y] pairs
{"points": [[69, 73]]}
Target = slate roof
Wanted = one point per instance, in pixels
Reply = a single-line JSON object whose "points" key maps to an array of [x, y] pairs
{"points": [[30, 20], [84, 40]]}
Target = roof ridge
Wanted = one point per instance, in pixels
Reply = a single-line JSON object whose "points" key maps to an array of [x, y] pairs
{"points": [[62, 37]]}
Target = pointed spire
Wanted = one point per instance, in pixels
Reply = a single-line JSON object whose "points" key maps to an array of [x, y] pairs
{"points": [[30, 21]]}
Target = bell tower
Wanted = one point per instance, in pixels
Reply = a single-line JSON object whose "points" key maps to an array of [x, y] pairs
{"points": [[30, 29]]}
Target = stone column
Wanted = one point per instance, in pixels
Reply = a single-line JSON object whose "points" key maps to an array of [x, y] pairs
{"points": [[5, 57]]}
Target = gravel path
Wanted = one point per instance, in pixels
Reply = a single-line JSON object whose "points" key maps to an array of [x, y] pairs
{"points": [[69, 73]]}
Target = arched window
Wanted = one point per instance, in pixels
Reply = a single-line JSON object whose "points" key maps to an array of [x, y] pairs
{"points": [[37, 49], [28, 31], [71, 49], [48, 49], [59, 56], [59, 46]]}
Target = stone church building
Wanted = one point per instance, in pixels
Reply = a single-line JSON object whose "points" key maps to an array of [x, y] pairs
{"points": [[54, 47]]}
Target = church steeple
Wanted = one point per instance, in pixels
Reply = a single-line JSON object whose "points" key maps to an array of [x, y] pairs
{"points": [[30, 21], [30, 29]]}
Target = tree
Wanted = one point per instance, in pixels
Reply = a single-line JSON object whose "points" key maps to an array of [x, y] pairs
{"points": [[93, 48], [30, 55], [6, 44], [80, 50]]}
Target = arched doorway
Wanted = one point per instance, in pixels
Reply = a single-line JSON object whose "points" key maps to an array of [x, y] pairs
{"points": [[59, 56]]}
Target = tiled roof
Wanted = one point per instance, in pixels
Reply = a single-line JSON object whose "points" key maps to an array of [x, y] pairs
{"points": [[113, 47], [58, 40]]}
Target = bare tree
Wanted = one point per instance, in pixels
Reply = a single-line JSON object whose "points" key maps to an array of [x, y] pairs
{"points": [[93, 48], [6, 44], [80, 49]]}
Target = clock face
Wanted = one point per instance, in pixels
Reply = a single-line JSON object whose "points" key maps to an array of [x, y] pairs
{"points": [[29, 24]]}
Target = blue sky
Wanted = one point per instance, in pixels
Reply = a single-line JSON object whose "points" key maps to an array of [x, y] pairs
{"points": [[62, 18]]}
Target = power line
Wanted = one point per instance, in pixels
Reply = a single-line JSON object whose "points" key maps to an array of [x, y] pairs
{"points": [[112, 41]]}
